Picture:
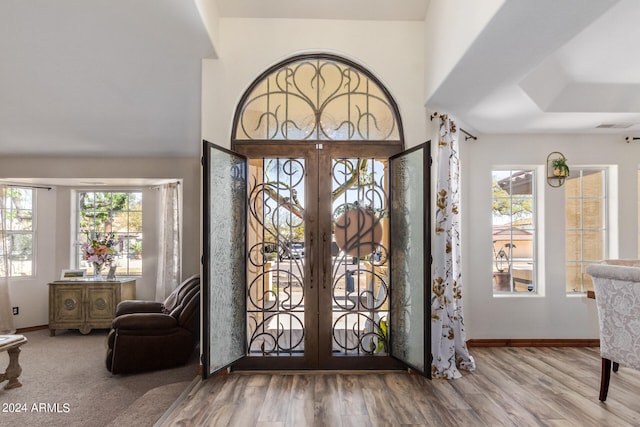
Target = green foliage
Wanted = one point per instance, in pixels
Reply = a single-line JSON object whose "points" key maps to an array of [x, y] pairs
{"points": [[382, 340], [99, 212], [18, 209], [503, 204], [135, 249], [560, 164]]}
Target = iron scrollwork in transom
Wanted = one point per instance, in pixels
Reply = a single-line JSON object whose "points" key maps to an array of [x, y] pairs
{"points": [[317, 99]]}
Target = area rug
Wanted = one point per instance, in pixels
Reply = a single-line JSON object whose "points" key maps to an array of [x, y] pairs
{"points": [[65, 383]]}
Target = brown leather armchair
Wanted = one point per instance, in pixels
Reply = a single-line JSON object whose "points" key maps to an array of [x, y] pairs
{"points": [[149, 335]]}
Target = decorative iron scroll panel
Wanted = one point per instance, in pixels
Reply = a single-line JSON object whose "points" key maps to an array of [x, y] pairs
{"points": [[359, 256], [277, 283], [276, 257], [317, 99]]}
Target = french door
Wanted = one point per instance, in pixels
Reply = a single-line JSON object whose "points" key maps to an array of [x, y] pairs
{"points": [[335, 267]]}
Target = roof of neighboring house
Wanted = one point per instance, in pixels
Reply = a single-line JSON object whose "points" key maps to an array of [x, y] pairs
{"points": [[506, 232]]}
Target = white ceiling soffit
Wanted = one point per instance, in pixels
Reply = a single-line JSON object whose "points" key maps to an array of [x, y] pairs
{"points": [[550, 66], [373, 10], [595, 72]]}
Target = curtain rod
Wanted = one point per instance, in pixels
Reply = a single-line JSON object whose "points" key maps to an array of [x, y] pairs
{"points": [[634, 138], [468, 135], [157, 187], [29, 186]]}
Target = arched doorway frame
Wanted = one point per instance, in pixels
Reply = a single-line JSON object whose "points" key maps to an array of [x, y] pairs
{"points": [[359, 141], [237, 142]]}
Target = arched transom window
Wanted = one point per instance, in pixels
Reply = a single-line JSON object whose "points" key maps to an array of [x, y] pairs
{"points": [[317, 98]]}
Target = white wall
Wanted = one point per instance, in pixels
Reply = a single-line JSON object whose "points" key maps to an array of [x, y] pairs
{"points": [[450, 28], [209, 13], [553, 314], [395, 52], [54, 220], [31, 294], [392, 51]]}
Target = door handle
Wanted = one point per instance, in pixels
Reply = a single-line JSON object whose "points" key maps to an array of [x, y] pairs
{"points": [[324, 261], [310, 258]]}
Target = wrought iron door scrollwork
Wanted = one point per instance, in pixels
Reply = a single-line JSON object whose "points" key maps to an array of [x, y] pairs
{"points": [[306, 100], [277, 333], [360, 267], [367, 334], [275, 289]]}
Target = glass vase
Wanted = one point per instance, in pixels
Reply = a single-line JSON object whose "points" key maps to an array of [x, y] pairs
{"points": [[97, 271]]}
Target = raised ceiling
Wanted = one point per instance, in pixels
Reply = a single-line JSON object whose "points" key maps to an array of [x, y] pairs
{"points": [[550, 67], [100, 77], [121, 77]]}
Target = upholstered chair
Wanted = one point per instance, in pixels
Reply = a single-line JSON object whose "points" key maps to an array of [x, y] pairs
{"points": [[149, 335], [617, 292]]}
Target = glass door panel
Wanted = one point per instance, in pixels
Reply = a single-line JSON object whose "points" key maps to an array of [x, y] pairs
{"points": [[224, 266], [318, 276], [359, 256], [276, 257], [410, 258]]}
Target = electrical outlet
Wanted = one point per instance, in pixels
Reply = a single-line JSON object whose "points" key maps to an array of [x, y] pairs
{"points": [[16, 311]]}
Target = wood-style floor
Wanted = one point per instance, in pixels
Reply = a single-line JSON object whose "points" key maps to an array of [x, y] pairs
{"points": [[512, 386]]}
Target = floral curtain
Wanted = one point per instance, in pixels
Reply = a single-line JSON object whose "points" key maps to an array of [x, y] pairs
{"points": [[169, 241], [448, 340], [6, 314]]}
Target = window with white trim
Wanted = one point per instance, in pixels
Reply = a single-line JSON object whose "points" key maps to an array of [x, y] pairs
{"points": [[117, 212], [586, 225], [18, 212], [514, 231]]}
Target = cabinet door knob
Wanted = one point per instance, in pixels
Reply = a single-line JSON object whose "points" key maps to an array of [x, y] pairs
{"points": [[70, 304]]}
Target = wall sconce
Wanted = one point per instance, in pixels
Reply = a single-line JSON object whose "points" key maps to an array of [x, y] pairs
{"points": [[557, 169]]}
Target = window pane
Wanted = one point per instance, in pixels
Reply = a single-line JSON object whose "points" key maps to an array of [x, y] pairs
{"points": [[573, 213], [17, 211], [119, 222], [593, 185], [578, 281], [573, 242], [135, 202], [574, 277], [572, 186], [21, 254], [593, 249], [514, 227], [22, 220], [521, 208], [120, 213], [19, 214], [593, 213], [586, 225]]}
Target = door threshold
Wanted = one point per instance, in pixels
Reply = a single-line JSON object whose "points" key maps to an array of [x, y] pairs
{"points": [[320, 372]]}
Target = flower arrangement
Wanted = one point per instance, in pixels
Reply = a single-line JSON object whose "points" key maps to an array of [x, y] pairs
{"points": [[101, 251]]}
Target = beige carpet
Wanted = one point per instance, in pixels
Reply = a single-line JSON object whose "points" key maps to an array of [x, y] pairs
{"points": [[65, 383]]}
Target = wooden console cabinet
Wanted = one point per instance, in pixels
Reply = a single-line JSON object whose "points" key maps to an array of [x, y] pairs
{"points": [[86, 304]]}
